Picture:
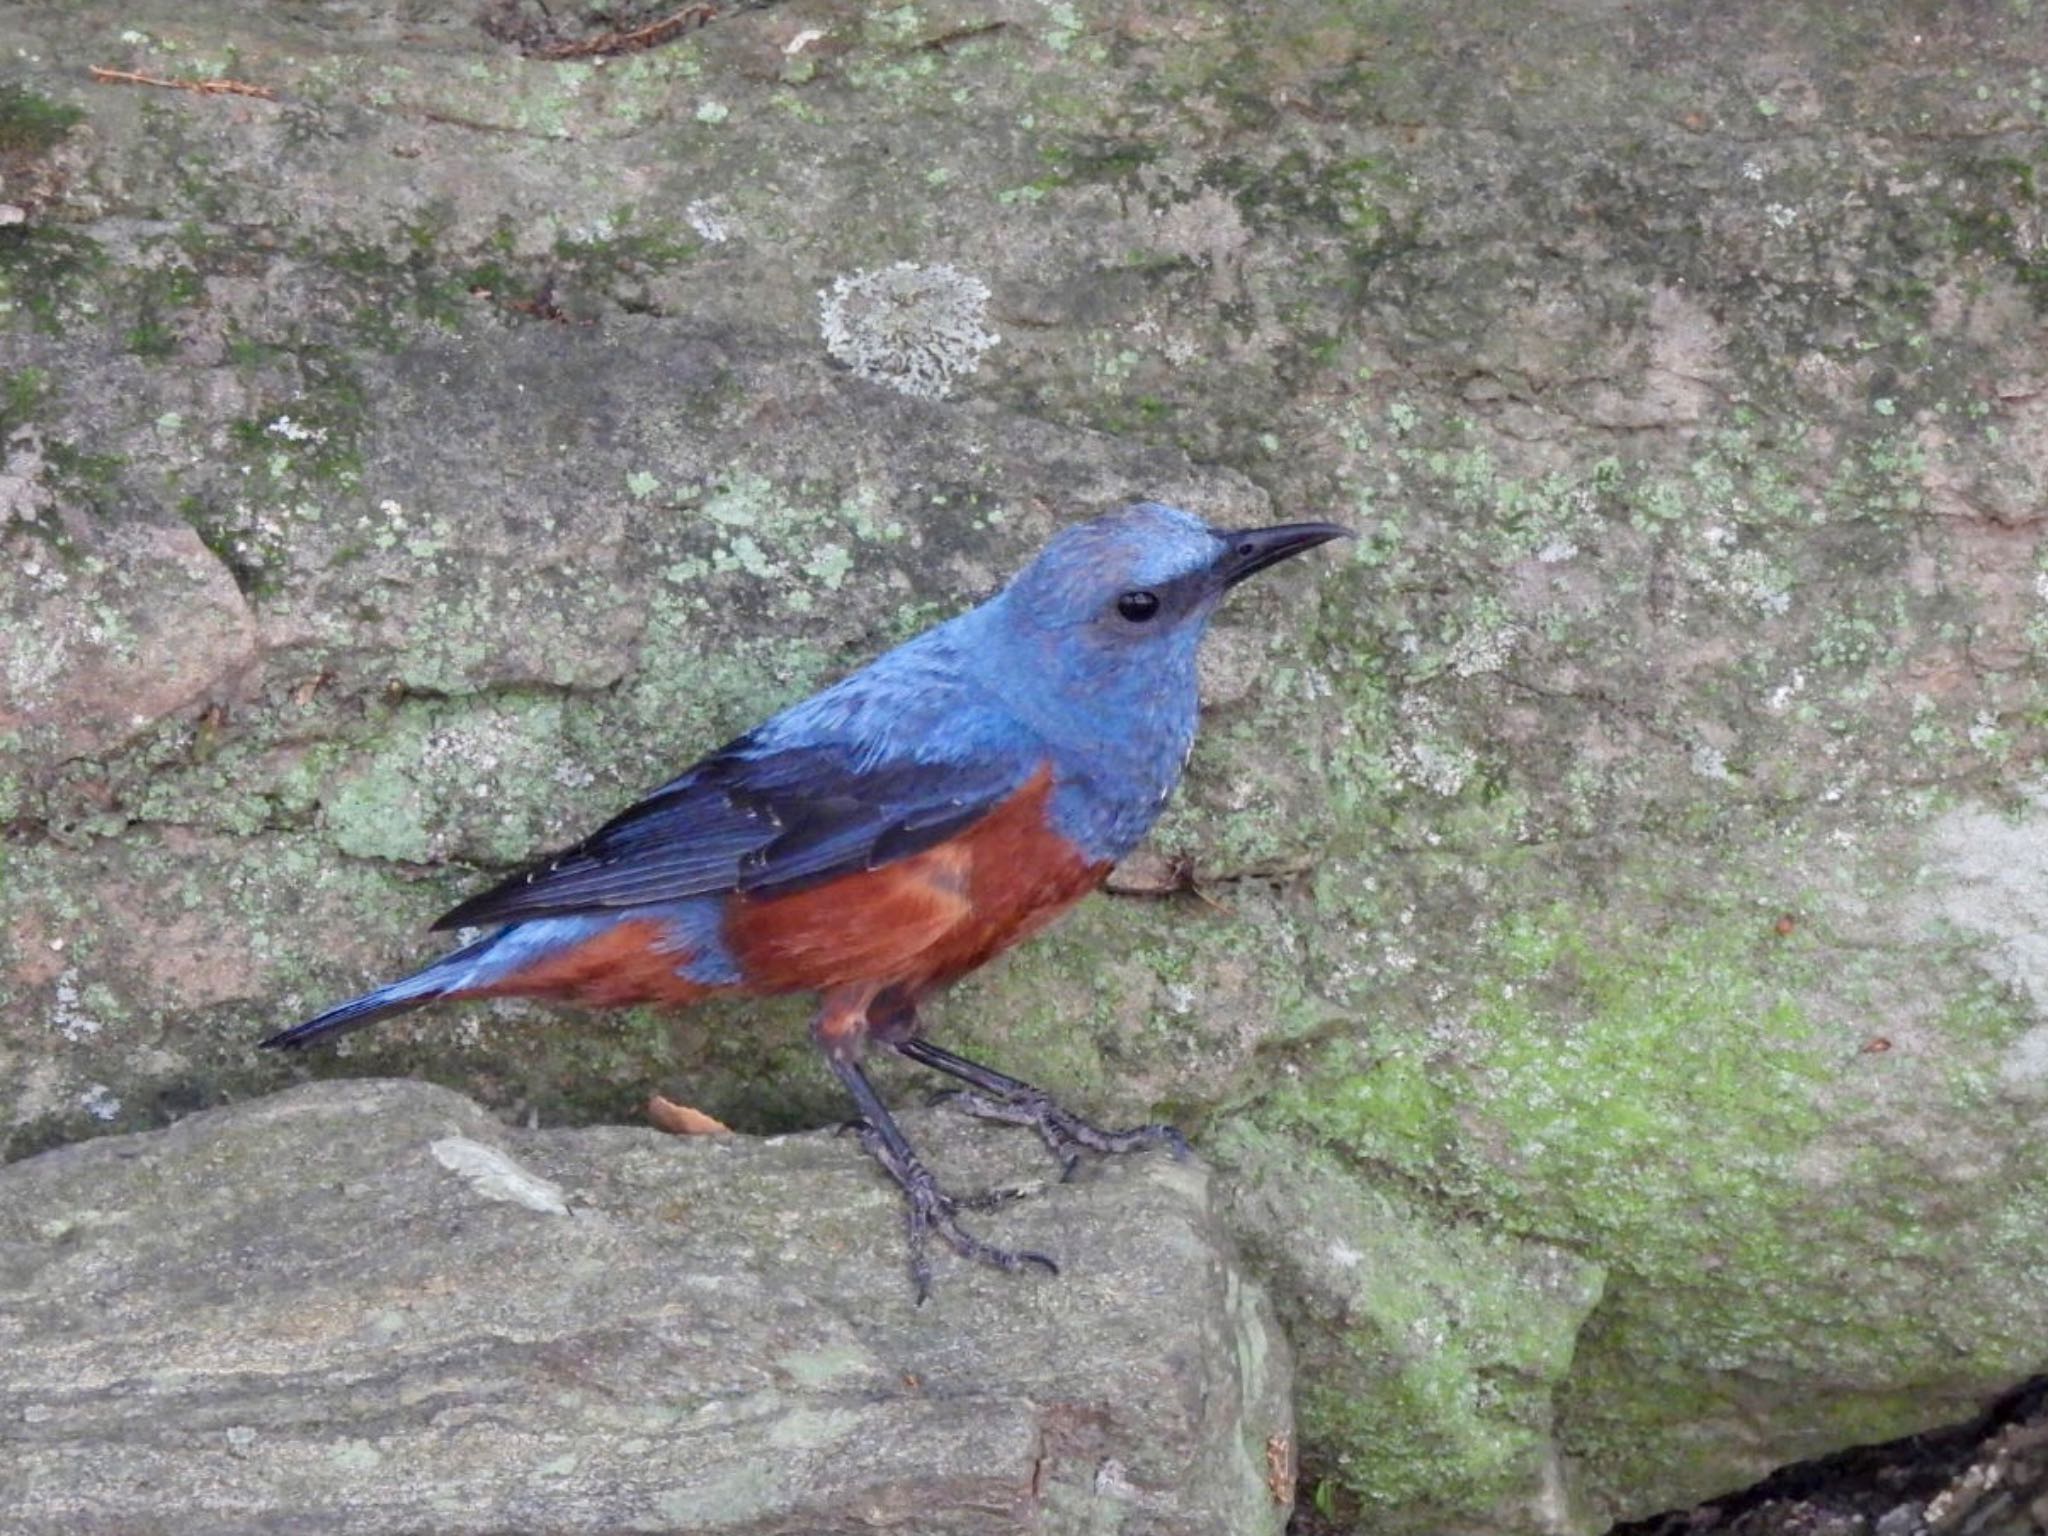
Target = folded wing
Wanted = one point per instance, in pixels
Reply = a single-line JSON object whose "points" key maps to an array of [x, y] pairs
{"points": [[764, 816]]}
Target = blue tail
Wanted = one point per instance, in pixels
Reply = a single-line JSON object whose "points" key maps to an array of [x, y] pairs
{"points": [[451, 973]]}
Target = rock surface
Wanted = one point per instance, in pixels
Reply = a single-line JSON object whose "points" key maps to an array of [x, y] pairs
{"points": [[372, 1308], [1987, 1478], [1599, 934]]}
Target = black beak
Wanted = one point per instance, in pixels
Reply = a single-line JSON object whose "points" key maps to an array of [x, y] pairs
{"points": [[1248, 550]]}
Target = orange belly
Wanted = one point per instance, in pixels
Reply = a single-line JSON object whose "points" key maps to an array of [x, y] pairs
{"points": [[925, 920]]}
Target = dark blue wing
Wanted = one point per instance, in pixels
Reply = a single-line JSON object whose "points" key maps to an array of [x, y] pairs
{"points": [[737, 823], [889, 762]]}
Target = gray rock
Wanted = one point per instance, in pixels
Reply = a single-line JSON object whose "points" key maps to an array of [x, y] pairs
{"points": [[371, 1307]]}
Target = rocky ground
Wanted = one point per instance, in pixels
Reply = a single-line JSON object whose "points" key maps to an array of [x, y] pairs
{"points": [[371, 1308], [1598, 943]]}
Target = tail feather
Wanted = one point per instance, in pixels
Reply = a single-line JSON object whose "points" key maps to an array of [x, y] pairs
{"points": [[353, 1014], [451, 973]]}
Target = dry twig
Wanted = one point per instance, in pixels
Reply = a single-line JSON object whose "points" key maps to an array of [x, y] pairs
{"points": [[202, 87], [653, 35]]}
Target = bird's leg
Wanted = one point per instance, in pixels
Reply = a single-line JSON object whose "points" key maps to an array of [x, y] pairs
{"points": [[928, 1208], [991, 1095]]}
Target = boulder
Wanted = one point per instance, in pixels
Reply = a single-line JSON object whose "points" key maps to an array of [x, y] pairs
{"points": [[372, 1307]]}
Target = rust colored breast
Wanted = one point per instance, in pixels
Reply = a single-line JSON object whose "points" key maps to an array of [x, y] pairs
{"points": [[922, 921], [614, 969]]}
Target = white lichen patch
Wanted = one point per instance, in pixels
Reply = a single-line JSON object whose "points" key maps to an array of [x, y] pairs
{"points": [[916, 329], [474, 752], [68, 1012], [23, 494], [496, 1176], [1780, 698], [1710, 762], [1063, 25], [743, 500], [1724, 564], [1428, 759], [31, 665], [293, 431], [101, 1102], [1482, 650], [1988, 878], [828, 564], [2025, 1066], [711, 223]]}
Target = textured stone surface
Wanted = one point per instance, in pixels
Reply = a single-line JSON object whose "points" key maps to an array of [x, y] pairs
{"points": [[370, 1307], [1594, 935]]}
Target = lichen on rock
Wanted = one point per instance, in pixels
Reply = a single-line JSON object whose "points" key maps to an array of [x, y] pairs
{"points": [[915, 328]]}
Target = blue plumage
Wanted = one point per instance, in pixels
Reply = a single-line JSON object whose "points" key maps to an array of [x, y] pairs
{"points": [[893, 831]]}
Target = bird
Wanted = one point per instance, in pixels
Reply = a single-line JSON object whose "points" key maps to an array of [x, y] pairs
{"points": [[886, 836]]}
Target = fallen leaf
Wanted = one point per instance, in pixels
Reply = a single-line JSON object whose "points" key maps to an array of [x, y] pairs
{"points": [[681, 1120], [1280, 1468]]}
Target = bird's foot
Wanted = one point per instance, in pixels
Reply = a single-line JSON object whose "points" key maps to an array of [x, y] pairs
{"points": [[929, 1209], [1065, 1134]]}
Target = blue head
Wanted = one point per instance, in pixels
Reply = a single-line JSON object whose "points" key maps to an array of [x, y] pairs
{"points": [[1094, 642]]}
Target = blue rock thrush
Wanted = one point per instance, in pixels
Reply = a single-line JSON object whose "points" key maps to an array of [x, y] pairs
{"points": [[888, 835]]}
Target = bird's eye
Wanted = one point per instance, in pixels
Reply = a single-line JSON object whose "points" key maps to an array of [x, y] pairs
{"points": [[1138, 606]]}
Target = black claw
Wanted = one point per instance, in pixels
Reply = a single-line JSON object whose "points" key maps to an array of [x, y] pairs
{"points": [[927, 1207], [1065, 1134], [990, 1199], [991, 1095], [920, 1264]]}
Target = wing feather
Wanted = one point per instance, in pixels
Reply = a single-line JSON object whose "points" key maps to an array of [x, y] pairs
{"points": [[815, 793]]}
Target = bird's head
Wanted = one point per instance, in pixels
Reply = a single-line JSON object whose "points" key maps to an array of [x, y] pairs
{"points": [[1120, 603], [1145, 576]]}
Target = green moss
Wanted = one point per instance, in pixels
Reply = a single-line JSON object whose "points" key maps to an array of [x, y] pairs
{"points": [[46, 271], [1665, 1102], [416, 797], [1438, 1348], [1100, 159], [1991, 203], [23, 393], [1591, 1061], [86, 478], [155, 295], [31, 124], [627, 242], [1347, 194]]}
